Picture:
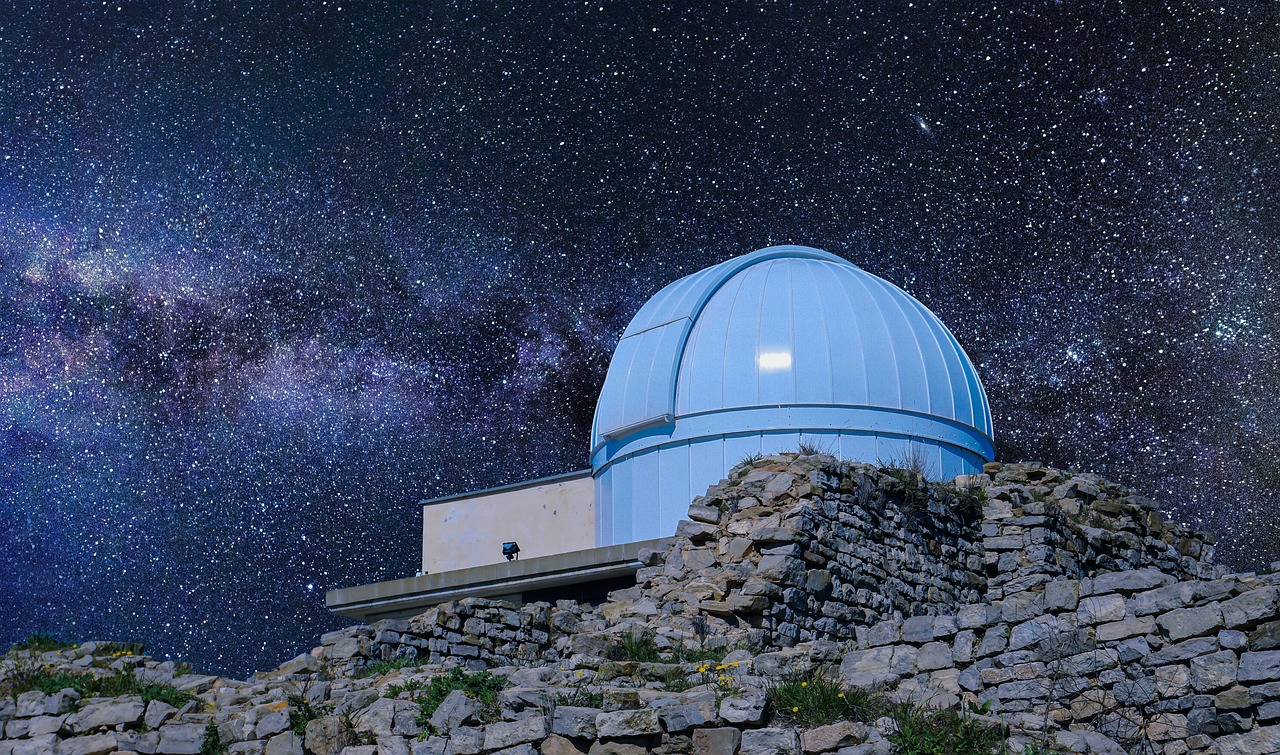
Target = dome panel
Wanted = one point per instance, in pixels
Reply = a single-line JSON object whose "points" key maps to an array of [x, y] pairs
{"points": [[778, 345]]}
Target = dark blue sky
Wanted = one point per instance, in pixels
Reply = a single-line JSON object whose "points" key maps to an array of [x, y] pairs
{"points": [[274, 272]]}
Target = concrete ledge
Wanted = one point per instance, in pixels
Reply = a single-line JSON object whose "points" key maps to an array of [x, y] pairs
{"points": [[412, 595]]}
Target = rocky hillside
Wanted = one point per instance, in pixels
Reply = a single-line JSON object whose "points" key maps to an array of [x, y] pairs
{"points": [[808, 605]]}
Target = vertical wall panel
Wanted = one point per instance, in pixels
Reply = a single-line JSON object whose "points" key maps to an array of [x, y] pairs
{"points": [[674, 493], [738, 447], [643, 468], [780, 442], [858, 447]]}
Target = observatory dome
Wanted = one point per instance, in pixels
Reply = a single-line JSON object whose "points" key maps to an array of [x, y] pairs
{"points": [[760, 352]]}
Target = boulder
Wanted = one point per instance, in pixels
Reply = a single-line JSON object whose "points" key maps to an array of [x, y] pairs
{"points": [[289, 743], [721, 741], [628, 723], [1191, 622], [94, 744], [1263, 740], [576, 722], [1260, 667], [510, 733], [110, 712], [1090, 742], [745, 708], [1214, 671], [833, 736], [769, 741], [180, 739], [455, 710], [1130, 581], [556, 745]]}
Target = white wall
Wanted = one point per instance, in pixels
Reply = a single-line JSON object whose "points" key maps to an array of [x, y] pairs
{"points": [[556, 517]]}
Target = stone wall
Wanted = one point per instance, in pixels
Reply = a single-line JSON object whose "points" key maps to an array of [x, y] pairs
{"points": [[1062, 603]]}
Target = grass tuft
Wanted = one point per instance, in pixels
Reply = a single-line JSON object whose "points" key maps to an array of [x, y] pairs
{"points": [[41, 641], [382, 667], [580, 697], [639, 647], [812, 699], [922, 731], [122, 683]]}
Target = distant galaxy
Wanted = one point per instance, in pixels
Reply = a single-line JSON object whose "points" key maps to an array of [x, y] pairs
{"points": [[274, 272]]}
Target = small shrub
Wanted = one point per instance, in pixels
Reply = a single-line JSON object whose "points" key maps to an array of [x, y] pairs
{"points": [[702, 654], [813, 699], [212, 743], [383, 667], [181, 669], [749, 460], [581, 697], [482, 687], [302, 712], [41, 640], [411, 686], [813, 448], [639, 647], [921, 731]]}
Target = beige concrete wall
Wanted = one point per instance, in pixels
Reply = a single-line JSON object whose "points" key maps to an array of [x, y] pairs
{"points": [[555, 517]]}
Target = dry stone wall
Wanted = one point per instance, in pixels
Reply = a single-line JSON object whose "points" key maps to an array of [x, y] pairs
{"points": [[1062, 604]]}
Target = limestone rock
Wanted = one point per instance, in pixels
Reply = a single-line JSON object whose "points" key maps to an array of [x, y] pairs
{"points": [[769, 741], [746, 708], [94, 744], [628, 723], [576, 722], [510, 733], [1088, 742], [721, 741], [1260, 667]]}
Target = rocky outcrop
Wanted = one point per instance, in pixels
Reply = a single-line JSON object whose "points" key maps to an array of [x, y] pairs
{"points": [[1057, 604]]}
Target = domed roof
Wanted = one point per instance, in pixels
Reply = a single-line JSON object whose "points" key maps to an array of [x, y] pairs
{"points": [[788, 326]]}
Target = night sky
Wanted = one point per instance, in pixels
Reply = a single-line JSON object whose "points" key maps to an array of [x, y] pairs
{"points": [[274, 272]]}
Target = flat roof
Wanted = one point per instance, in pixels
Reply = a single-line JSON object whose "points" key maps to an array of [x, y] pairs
{"points": [[565, 477], [398, 598]]}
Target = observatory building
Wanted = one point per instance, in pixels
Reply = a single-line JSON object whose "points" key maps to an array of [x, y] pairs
{"points": [[754, 355]]}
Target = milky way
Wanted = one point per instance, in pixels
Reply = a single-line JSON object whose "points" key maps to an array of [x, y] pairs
{"points": [[273, 273]]}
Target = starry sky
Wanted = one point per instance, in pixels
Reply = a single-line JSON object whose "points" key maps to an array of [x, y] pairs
{"points": [[275, 271]]}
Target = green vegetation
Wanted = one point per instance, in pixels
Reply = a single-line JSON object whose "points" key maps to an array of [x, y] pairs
{"points": [[121, 683], [749, 460], [382, 667], [411, 686], [482, 687], [639, 647], [922, 731], [813, 448], [212, 743], [813, 699], [581, 697], [181, 669], [41, 640], [302, 712]]}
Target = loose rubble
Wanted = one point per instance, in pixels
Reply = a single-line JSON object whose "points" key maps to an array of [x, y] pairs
{"points": [[1054, 604]]}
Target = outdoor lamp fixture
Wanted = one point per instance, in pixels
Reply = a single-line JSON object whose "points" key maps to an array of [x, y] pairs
{"points": [[511, 550]]}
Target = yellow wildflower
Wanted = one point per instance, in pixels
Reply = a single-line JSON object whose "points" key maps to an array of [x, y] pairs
{"points": [[804, 684], [795, 710]]}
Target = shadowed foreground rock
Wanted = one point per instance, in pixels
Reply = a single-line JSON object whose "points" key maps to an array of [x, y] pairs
{"points": [[1061, 606]]}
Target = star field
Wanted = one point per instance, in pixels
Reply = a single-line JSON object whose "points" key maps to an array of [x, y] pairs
{"points": [[274, 272]]}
